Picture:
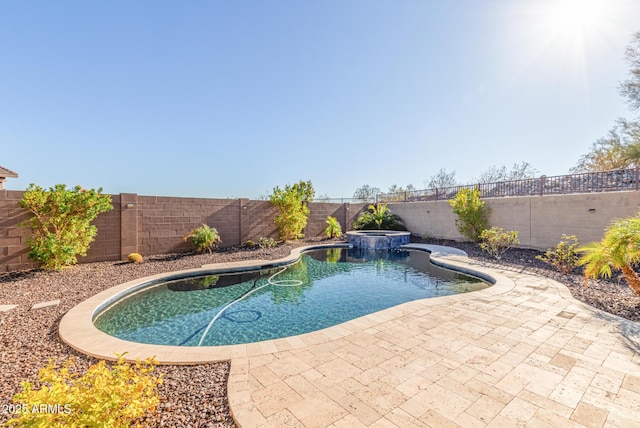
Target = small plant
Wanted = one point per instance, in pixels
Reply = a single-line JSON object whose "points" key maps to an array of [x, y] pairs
{"points": [[102, 397], [204, 238], [265, 242], [472, 213], [496, 241], [134, 258], [564, 257], [249, 244], [378, 217], [61, 226], [333, 229]]}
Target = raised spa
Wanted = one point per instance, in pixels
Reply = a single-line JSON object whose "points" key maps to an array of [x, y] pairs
{"points": [[324, 288], [378, 239]]}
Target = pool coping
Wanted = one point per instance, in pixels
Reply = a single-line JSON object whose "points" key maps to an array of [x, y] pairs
{"points": [[78, 331]]}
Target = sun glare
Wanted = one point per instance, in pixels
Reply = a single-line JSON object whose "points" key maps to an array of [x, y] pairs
{"points": [[575, 15]]}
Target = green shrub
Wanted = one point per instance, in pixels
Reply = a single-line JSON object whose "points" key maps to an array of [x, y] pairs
{"points": [[472, 213], [134, 258], [265, 242], [496, 241], [378, 217], [333, 229], [618, 249], [564, 256], [292, 204], [102, 397], [61, 224], [249, 244], [203, 238]]}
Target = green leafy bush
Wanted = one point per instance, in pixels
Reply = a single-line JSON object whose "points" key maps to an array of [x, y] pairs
{"points": [[292, 204], [333, 229], [619, 249], [61, 226], [250, 244], [472, 213], [496, 241], [378, 217], [134, 258], [564, 256], [265, 242], [102, 397], [203, 238]]}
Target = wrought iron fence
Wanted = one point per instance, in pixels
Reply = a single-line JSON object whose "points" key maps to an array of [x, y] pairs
{"points": [[601, 181]]}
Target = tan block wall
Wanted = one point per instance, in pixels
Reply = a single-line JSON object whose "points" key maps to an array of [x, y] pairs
{"points": [[540, 220], [156, 225]]}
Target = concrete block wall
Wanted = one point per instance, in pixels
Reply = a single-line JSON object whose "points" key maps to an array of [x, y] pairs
{"points": [[319, 211], [539, 220], [13, 249], [156, 225]]}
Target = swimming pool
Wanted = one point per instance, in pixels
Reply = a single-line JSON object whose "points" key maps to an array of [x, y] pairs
{"points": [[324, 288]]}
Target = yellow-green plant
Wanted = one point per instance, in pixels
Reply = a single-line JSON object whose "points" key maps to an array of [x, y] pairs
{"points": [[61, 226], [618, 249], [134, 258], [104, 396], [292, 204], [250, 244], [204, 238], [564, 256], [472, 213], [333, 229], [496, 241]]}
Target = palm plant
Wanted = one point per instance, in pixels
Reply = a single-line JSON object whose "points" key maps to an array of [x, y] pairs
{"points": [[619, 249], [378, 218], [204, 238]]}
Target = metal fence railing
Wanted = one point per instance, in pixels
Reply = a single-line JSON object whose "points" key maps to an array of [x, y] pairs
{"points": [[587, 182]]}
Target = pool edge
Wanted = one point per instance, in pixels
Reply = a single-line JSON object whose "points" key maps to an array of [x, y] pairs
{"points": [[77, 330]]}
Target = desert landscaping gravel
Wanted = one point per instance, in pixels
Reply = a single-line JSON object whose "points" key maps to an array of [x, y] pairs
{"points": [[192, 396]]}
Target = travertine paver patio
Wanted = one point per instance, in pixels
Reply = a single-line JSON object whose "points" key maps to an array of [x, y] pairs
{"points": [[527, 355]]}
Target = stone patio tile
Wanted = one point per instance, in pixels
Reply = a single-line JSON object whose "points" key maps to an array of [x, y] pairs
{"points": [[567, 395], [563, 361], [365, 414], [545, 403], [589, 416], [431, 398], [632, 383], [317, 413], [545, 419], [403, 419], [348, 421], [628, 399], [46, 304], [436, 420], [519, 410], [338, 370], [284, 419], [264, 375], [485, 409]]}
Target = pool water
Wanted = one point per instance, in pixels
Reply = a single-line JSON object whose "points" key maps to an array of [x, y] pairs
{"points": [[324, 288]]}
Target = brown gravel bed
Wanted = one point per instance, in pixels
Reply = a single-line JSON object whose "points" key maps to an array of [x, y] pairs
{"points": [[192, 396]]}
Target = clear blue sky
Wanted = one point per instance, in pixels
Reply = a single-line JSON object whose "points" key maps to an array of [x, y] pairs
{"points": [[231, 98]]}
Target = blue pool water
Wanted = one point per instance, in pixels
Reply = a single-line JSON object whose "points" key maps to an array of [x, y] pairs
{"points": [[324, 288]]}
